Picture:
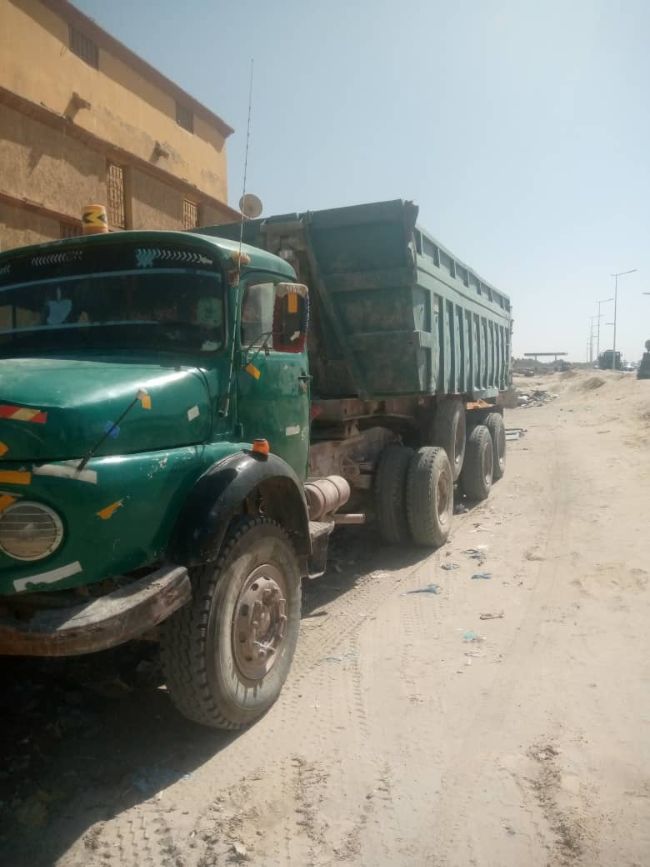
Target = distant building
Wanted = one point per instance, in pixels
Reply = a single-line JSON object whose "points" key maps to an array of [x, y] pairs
{"points": [[84, 120]]}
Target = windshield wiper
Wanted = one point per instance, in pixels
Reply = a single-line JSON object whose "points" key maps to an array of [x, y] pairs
{"points": [[113, 426]]}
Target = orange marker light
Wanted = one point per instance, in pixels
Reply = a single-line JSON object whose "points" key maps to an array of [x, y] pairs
{"points": [[261, 447]]}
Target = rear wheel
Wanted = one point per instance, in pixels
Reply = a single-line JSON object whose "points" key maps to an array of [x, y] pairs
{"points": [[390, 494], [227, 654], [476, 477], [448, 432], [430, 496], [494, 423]]}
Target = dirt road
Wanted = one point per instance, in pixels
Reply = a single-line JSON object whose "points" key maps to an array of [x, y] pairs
{"points": [[504, 720]]}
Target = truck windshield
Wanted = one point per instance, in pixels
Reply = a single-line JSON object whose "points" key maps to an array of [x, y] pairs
{"points": [[163, 308]]}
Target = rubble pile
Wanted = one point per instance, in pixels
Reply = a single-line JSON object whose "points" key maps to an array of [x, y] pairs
{"points": [[535, 398]]}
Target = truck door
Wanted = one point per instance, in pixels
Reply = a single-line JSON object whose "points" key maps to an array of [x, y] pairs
{"points": [[273, 385]]}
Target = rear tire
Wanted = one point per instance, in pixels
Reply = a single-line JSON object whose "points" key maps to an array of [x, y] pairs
{"points": [[494, 423], [449, 431], [430, 496], [390, 494], [227, 653], [476, 477]]}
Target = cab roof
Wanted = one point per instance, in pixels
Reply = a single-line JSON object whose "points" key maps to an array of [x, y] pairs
{"points": [[259, 259]]}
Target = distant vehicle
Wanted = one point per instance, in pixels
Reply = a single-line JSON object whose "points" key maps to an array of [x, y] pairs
{"points": [[643, 370], [608, 360], [629, 366]]}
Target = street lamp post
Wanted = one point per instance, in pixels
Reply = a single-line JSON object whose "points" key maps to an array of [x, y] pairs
{"points": [[600, 316], [616, 276], [591, 337]]}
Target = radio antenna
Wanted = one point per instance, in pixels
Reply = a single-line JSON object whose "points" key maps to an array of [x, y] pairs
{"points": [[248, 141], [242, 206]]}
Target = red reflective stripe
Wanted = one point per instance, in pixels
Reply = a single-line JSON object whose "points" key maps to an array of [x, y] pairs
{"points": [[36, 416]]}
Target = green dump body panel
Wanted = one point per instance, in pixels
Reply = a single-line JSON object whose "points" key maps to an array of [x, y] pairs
{"points": [[392, 311]]}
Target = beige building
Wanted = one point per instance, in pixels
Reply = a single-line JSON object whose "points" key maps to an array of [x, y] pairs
{"points": [[84, 120]]}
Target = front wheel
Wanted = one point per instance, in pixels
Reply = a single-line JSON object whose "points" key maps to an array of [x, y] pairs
{"points": [[227, 654]]}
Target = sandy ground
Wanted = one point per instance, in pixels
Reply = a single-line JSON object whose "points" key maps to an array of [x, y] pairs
{"points": [[501, 721]]}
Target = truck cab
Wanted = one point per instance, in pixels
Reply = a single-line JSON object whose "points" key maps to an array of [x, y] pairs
{"points": [[137, 372]]}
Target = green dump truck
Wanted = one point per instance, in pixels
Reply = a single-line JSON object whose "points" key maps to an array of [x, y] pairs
{"points": [[184, 420]]}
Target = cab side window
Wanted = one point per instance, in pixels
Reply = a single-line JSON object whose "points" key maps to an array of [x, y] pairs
{"points": [[257, 312]]}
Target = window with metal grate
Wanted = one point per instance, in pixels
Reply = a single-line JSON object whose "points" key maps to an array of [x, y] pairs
{"points": [[184, 117], [69, 230], [190, 214], [116, 197], [84, 47]]}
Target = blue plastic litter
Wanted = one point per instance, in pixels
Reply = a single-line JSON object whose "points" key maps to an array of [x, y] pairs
{"points": [[430, 588]]}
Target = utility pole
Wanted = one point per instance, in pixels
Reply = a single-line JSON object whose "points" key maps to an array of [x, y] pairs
{"points": [[600, 315], [591, 338], [616, 276]]}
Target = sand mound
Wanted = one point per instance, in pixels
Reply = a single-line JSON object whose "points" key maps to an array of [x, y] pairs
{"points": [[568, 374], [591, 384]]}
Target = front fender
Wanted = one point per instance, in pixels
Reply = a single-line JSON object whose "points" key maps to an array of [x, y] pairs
{"points": [[218, 496]]}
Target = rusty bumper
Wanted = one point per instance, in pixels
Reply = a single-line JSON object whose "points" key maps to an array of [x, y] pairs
{"points": [[101, 623]]}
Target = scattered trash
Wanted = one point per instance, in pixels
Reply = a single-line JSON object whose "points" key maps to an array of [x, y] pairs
{"points": [[481, 576], [332, 659], [239, 851], [491, 616], [430, 588], [450, 566], [460, 509], [470, 635], [478, 553], [515, 433], [535, 398], [149, 780]]}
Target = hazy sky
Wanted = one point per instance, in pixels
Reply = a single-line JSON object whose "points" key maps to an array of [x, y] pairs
{"points": [[520, 127]]}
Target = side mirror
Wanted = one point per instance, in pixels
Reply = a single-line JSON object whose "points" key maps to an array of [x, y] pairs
{"points": [[290, 317]]}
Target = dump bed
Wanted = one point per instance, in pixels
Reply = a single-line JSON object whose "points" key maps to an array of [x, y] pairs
{"points": [[393, 312]]}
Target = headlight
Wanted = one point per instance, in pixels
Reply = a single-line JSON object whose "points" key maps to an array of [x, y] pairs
{"points": [[29, 531]]}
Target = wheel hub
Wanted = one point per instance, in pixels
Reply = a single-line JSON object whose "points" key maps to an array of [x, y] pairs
{"points": [[259, 622], [443, 498]]}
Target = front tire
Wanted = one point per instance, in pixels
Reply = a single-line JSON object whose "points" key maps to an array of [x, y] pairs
{"points": [[227, 654]]}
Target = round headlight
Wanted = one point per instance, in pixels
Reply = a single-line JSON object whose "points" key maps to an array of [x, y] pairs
{"points": [[29, 531]]}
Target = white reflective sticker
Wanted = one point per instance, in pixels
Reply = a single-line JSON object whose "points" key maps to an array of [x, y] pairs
{"points": [[66, 470], [292, 431], [193, 413], [48, 577]]}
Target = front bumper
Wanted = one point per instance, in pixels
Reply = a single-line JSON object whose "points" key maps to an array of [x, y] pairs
{"points": [[105, 622]]}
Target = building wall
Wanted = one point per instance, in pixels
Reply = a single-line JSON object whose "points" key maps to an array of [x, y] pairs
{"points": [[48, 167], [19, 227], [54, 153]]}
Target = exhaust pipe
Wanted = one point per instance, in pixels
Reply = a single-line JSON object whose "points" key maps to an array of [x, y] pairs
{"points": [[325, 496]]}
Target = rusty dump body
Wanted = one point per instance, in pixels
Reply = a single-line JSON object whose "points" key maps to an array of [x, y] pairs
{"points": [[393, 313]]}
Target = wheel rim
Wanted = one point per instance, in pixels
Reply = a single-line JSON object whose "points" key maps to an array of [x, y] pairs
{"points": [[487, 467], [259, 622], [443, 492], [459, 444]]}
